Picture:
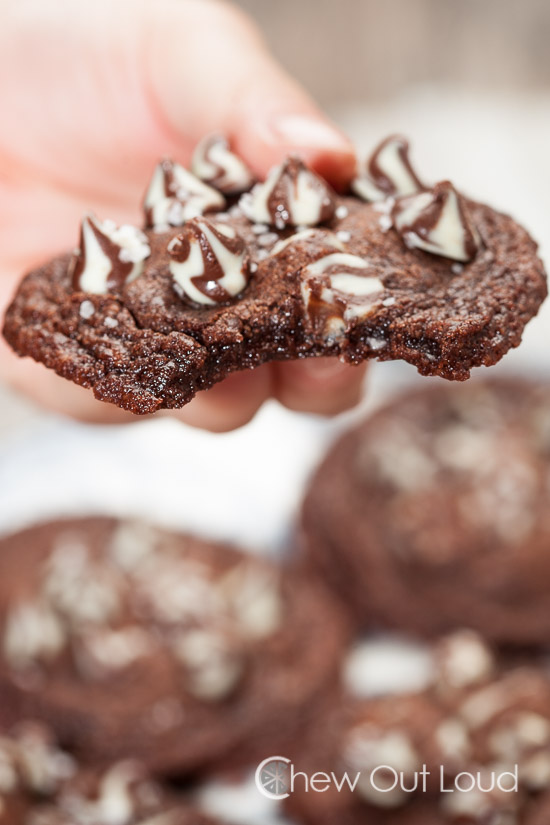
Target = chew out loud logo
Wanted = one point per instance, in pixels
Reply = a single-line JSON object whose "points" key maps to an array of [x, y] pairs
{"points": [[276, 778]]}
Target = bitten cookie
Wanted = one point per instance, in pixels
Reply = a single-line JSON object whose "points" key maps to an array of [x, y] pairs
{"points": [[40, 784], [471, 747], [394, 270], [132, 642], [433, 513]]}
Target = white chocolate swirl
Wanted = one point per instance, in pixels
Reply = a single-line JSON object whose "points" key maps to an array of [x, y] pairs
{"points": [[292, 195], [209, 262], [214, 163], [175, 196], [437, 221], [388, 172], [109, 256], [337, 289]]}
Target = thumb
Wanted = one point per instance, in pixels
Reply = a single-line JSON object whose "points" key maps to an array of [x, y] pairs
{"points": [[211, 71]]}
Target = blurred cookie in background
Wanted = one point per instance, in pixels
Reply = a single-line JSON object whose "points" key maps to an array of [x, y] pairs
{"points": [[433, 513], [40, 784], [456, 735], [134, 642]]}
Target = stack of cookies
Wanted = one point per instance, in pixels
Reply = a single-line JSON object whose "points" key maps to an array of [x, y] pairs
{"points": [[430, 520], [397, 659]]}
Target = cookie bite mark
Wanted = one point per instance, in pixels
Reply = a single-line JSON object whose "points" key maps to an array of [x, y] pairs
{"points": [[337, 289], [108, 257], [175, 195], [388, 172], [215, 164], [437, 221], [209, 262], [292, 195]]}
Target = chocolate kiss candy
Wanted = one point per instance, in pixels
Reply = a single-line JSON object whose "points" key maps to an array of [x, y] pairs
{"points": [[292, 195], [209, 262]]}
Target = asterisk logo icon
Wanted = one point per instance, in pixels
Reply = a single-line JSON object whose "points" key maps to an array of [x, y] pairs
{"points": [[273, 777]]}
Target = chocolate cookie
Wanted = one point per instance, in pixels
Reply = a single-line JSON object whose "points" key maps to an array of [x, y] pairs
{"points": [[42, 785], [132, 642], [410, 757], [395, 270], [433, 513]]}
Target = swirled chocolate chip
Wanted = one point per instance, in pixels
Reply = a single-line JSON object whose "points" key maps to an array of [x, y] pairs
{"points": [[214, 163], [337, 289], [388, 172], [438, 222], [175, 195], [292, 195], [209, 262], [109, 256]]}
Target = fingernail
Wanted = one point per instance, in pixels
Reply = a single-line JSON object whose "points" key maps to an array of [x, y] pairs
{"points": [[308, 131]]}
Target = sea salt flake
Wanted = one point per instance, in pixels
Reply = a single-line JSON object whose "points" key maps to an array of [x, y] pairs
{"points": [[86, 309], [376, 343]]}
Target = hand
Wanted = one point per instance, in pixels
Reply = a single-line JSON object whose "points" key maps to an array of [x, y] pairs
{"points": [[91, 96]]}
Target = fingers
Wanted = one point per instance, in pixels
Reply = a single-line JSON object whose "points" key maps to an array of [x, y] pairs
{"points": [[211, 71], [51, 392], [318, 385], [230, 404], [183, 68], [227, 406], [275, 118], [264, 137]]}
